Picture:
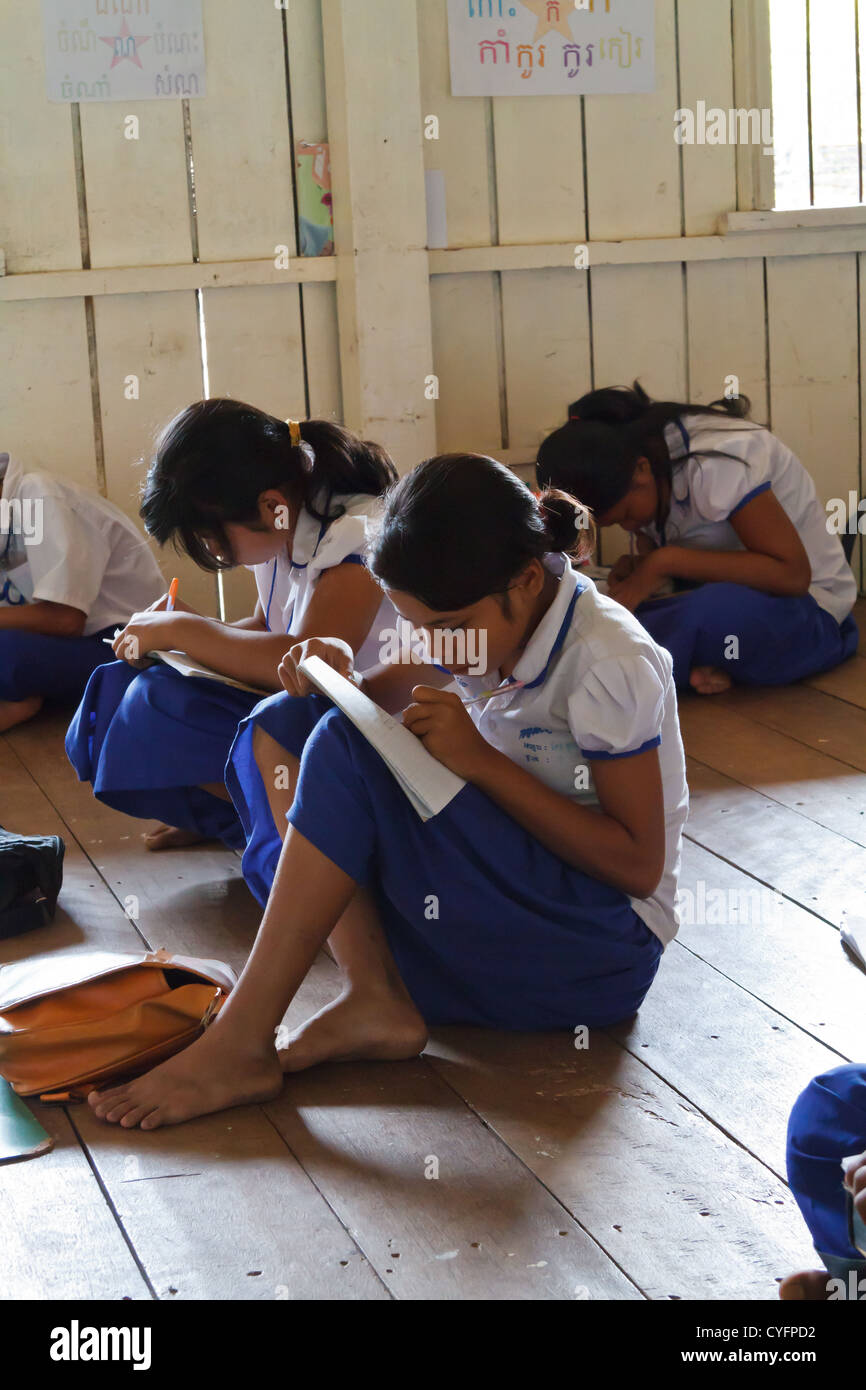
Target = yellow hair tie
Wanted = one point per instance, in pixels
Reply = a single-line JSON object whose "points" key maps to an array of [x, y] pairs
{"points": [[294, 433]]}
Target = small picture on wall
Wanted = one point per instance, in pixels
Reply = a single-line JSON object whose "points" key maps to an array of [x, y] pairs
{"points": [[315, 211]]}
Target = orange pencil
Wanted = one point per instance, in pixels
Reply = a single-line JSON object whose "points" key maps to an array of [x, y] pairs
{"points": [[172, 595]]}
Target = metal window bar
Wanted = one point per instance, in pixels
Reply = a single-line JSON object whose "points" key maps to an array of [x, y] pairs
{"points": [[817, 157], [858, 69], [809, 102]]}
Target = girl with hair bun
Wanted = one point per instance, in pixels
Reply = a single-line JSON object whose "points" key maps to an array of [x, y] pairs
{"points": [[542, 895], [230, 485], [721, 505]]}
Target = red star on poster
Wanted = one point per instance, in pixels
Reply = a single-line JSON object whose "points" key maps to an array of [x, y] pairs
{"points": [[551, 14], [136, 40]]}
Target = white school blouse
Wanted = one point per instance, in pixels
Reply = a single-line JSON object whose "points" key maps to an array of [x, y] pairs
{"points": [[89, 556], [285, 586], [708, 491], [597, 687]]}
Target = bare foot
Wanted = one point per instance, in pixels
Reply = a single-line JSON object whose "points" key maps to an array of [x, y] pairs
{"points": [[709, 680], [809, 1286], [14, 712], [355, 1027], [169, 837], [209, 1075]]}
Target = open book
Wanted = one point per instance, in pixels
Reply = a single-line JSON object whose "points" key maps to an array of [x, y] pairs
{"points": [[185, 666], [428, 784]]}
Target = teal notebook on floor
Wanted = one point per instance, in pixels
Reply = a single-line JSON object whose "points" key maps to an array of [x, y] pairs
{"points": [[21, 1135]]}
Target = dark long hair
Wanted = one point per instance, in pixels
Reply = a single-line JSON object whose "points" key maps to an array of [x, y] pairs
{"points": [[594, 455], [213, 461], [460, 527]]}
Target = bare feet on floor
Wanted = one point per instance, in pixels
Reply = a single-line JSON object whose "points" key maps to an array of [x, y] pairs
{"points": [[169, 837], [210, 1075], [709, 680], [809, 1286], [14, 712], [356, 1027]]}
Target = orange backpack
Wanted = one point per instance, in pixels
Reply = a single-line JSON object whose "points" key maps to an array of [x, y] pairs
{"points": [[79, 1021]]}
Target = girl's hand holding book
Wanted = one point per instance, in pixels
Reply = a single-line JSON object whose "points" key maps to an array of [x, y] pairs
{"points": [[332, 650]]}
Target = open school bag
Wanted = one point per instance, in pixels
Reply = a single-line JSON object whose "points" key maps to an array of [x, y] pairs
{"points": [[31, 872], [76, 1021]]}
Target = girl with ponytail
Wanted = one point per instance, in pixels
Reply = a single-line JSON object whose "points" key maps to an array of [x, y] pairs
{"points": [[718, 504], [230, 485], [542, 894]]}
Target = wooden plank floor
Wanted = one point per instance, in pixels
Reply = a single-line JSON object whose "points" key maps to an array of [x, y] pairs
{"points": [[648, 1166]]}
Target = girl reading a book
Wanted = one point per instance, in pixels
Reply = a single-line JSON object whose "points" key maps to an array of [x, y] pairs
{"points": [[541, 895], [719, 504], [231, 485]]}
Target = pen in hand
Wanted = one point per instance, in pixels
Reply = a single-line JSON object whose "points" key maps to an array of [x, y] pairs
{"points": [[489, 694]]}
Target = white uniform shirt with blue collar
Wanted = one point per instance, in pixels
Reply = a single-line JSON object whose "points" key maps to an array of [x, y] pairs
{"points": [[597, 686], [708, 491], [86, 554], [286, 586]]}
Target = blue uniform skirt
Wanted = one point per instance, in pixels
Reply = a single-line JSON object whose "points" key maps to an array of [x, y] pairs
{"points": [[289, 719], [55, 667], [828, 1123], [147, 740], [487, 927], [779, 640]]}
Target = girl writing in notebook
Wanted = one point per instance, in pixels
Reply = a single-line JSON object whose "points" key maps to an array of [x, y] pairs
{"points": [[231, 485], [720, 503], [72, 567], [542, 895]]}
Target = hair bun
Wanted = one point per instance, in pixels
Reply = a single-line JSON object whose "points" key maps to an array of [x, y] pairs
{"points": [[568, 523]]}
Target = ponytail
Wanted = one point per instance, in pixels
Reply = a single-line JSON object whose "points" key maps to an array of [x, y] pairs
{"points": [[460, 527], [594, 455], [624, 405], [342, 463], [213, 461]]}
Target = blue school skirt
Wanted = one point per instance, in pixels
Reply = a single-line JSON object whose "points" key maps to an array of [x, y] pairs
{"points": [[55, 667], [779, 640], [147, 740], [487, 927], [828, 1123], [289, 719]]}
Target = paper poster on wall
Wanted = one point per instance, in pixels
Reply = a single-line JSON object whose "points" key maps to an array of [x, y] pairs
{"points": [[515, 48], [123, 50]]}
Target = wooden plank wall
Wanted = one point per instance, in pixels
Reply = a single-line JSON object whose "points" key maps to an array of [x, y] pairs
{"points": [[65, 362], [512, 348]]}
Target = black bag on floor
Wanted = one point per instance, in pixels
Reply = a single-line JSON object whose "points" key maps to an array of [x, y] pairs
{"points": [[31, 872]]}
